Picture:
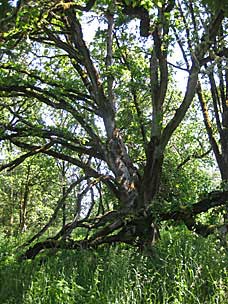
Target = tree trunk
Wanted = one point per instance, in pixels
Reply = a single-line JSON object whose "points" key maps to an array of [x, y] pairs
{"points": [[224, 147], [24, 201]]}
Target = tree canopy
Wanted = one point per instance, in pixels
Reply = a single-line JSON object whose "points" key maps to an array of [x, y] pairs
{"points": [[90, 89]]}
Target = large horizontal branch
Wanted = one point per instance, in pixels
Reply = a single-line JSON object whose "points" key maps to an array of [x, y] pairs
{"points": [[188, 214], [70, 244], [64, 138], [59, 155], [49, 99], [65, 90], [106, 233], [13, 164], [32, 252], [213, 199]]}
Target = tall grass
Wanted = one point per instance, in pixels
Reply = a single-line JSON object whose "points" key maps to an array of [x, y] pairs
{"points": [[183, 269]]}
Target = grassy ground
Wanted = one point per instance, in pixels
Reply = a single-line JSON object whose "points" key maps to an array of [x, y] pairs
{"points": [[184, 269]]}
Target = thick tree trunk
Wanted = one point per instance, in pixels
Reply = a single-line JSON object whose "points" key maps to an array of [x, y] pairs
{"points": [[152, 173], [224, 144]]}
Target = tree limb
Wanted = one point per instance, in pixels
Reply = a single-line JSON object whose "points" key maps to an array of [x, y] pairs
{"points": [[13, 164]]}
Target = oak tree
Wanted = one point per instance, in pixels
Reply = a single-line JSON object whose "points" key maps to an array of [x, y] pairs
{"points": [[107, 66]]}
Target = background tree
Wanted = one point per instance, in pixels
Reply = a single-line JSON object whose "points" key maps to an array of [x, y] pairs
{"points": [[212, 88]]}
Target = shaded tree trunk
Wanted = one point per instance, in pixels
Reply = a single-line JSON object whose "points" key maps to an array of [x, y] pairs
{"points": [[24, 201]]}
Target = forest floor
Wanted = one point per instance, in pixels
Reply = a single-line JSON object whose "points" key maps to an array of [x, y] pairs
{"points": [[182, 269]]}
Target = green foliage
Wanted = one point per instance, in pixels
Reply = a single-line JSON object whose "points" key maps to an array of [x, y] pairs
{"points": [[183, 269], [34, 176], [216, 5], [5, 9]]}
